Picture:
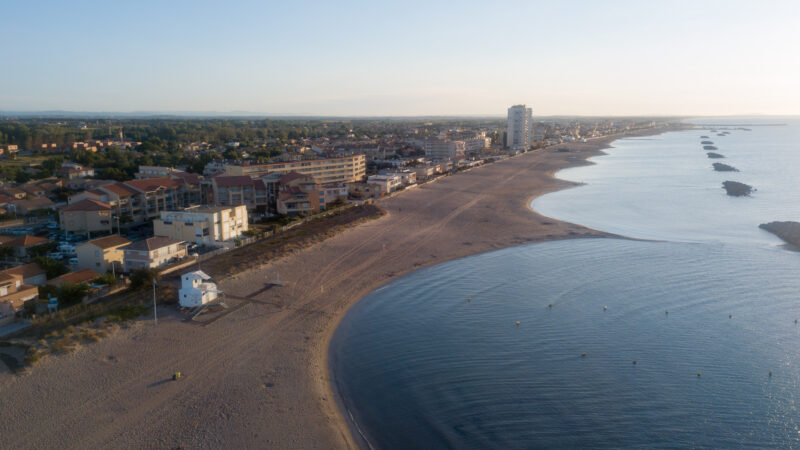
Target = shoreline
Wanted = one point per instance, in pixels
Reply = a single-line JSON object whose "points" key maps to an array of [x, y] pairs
{"points": [[338, 391], [261, 376]]}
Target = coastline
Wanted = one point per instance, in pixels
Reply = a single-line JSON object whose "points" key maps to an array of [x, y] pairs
{"points": [[584, 151], [262, 377]]}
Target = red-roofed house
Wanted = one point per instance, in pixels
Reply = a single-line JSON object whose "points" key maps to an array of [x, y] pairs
{"points": [[23, 243], [85, 276]]}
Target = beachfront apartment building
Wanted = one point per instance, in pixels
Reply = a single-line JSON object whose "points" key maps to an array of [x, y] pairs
{"points": [[235, 190], [439, 149], [153, 252], [346, 169], [386, 183], [206, 225], [103, 254], [520, 128]]}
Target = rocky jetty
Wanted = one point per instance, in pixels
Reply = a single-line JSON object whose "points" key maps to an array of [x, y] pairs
{"points": [[789, 232], [713, 155], [719, 167], [736, 189], [709, 147], [703, 137], [707, 142]]}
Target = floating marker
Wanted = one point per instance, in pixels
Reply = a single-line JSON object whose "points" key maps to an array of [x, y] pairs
{"points": [[605, 307], [583, 354], [699, 373], [518, 323], [666, 312], [550, 305], [730, 316], [770, 373], [634, 362], [469, 299]]}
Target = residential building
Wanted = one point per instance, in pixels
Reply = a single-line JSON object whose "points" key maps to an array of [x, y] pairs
{"points": [[156, 195], [86, 216], [206, 225], [424, 172], [386, 183], [443, 149], [153, 252], [234, 190], [22, 244], [347, 169], [30, 205], [196, 289], [13, 295], [154, 172], [407, 176], [84, 276], [299, 194], [103, 254], [32, 274], [71, 170], [520, 128]]}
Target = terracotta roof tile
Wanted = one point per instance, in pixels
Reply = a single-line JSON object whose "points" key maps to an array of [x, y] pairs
{"points": [[87, 205]]}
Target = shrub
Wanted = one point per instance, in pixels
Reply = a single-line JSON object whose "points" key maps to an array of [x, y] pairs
{"points": [[143, 278]]}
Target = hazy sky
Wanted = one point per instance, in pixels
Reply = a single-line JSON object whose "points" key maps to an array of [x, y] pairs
{"points": [[402, 58]]}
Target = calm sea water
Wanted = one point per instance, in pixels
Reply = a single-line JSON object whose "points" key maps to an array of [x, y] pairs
{"points": [[423, 367]]}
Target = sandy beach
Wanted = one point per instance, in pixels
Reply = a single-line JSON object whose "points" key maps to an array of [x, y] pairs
{"points": [[259, 377]]}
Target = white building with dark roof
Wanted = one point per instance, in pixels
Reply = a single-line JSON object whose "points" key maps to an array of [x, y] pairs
{"points": [[153, 252]]}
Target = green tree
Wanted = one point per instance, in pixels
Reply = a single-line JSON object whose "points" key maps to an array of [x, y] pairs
{"points": [[143, 278], [52, 267]]}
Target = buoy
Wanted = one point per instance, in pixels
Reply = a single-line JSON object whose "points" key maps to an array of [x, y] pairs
{"points": [[634, 362], [605, 307], [699, 373], [795, 320], [583, 354], [770, 373], [469, 299], [666, 312], [730, 316], [518, 323], [550, 305]]}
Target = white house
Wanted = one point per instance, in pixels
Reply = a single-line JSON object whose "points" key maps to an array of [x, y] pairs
{"points": [[196, 290]]}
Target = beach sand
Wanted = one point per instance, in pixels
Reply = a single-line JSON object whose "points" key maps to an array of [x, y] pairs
{"points": [[259, 376]]}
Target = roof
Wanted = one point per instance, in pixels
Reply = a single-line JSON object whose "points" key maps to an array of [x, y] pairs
{"points": [[87, 205], [6, 278], [199, 274], [119, 189], [6, 239], [152, 243], [233, 180], [291, 176], [34, 203], [79, 276], [152, 184], [27, 241], [189, 178], [105, 242], [5, 198], [25, 270]]}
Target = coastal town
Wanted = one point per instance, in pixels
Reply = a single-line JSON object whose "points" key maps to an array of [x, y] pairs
{"points": [[73, 233]]}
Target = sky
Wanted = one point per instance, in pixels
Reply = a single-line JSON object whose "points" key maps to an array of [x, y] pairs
{"points": [[403, 58]]}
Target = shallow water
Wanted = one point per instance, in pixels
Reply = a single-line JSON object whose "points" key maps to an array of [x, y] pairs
{"points": [[422, 367]]}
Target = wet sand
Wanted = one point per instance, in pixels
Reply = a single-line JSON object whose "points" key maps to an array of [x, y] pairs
{"points": [[259, 376]]}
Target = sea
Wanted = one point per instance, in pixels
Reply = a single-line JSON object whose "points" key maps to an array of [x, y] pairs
{"points": [[686, 336]]}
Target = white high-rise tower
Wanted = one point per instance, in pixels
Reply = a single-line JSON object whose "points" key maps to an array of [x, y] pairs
{"points": [[520, 128]]}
